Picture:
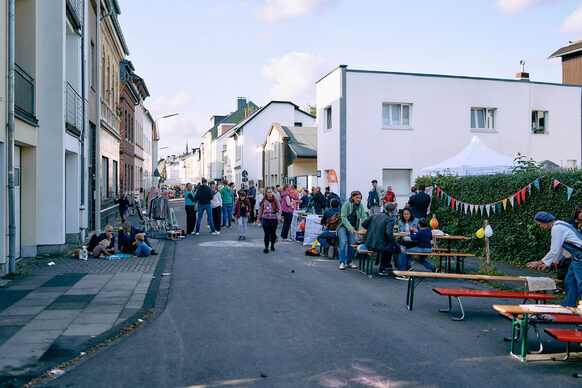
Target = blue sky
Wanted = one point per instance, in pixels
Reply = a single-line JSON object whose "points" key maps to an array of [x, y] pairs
{"points": [[198, 56]]}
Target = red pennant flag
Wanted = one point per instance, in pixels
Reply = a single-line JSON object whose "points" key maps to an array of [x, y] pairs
{"points": [[523, 193], [453, 203], [556, 183], [518, 196], [438, 191]]}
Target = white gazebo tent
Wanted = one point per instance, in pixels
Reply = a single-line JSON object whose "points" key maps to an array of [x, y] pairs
{"points": [[475, 159]]}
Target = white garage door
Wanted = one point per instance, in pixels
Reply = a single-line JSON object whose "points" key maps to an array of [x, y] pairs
{"points": [[399, 179]]}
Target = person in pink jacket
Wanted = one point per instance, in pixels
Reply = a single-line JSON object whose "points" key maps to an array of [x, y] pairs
{"points": [[242, 210], [270, 214]]}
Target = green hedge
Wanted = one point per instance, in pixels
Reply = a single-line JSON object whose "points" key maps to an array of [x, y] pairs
{"points": [[516, 239]]}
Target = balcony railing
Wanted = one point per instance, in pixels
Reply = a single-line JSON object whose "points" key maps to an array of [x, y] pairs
{"points": [[23, 91], [73, 109], [109, 116]]}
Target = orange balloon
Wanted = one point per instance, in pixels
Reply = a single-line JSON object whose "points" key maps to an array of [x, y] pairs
{"points": [[434, 223], [302, 226]]}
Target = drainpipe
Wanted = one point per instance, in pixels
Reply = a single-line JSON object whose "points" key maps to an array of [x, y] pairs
{"points": [[97, 166], [85, 117], [10, 136]]}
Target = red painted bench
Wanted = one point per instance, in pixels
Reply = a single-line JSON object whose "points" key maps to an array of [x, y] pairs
{"points": [[457, 293], [566, 336], [554, 319]]}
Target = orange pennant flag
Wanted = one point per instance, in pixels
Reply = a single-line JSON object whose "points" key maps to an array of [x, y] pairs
{"points": [[504, 204], [523, 193], [518, 196]]}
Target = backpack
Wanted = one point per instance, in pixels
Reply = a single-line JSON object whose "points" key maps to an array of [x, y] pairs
{"points": [[333, 220], [312, 252]]}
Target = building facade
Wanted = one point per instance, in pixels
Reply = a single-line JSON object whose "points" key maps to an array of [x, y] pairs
{"points": [[571, 56], [388, 126]]}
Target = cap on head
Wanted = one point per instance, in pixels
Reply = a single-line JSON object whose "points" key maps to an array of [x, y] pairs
{"points": [[544, 217], [389, 207], [374, 181]]}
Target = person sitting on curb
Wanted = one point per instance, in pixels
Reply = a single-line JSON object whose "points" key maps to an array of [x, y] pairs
{"points": [[423, 236], [380, 237], [328, 234], [142, 249], [564, 237], [100, 250], [126, 237]]}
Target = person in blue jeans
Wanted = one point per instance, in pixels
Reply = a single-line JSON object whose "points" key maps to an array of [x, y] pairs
{"points": [[352, 214], [329, 232], [204, 196], [423, 236], [227, 204]]}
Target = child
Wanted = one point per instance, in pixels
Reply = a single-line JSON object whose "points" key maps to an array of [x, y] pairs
{"points": [[423, 237], [124, 204], [100, 250], [143, 249], [242, 211]]}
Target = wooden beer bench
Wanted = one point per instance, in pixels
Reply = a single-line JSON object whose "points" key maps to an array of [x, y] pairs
{"points": [[460, 259]]}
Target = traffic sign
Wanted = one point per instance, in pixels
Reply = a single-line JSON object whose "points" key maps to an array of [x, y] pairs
{"points": [[245, 174]]}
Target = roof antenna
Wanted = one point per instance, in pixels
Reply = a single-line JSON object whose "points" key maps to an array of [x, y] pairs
{"points": [[522, 65]]}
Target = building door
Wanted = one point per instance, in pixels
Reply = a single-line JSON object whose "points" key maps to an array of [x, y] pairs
{"points": [[17, 197], [399, 179]]}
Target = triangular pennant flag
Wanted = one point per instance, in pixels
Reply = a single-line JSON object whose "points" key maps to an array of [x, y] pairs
{"points": [[453, 203], [523, 193], [457, 205], [537, 183], [511, 201], [529, 188], [570, 191], [517, 195], [499, 207], [438, 191], [494, 207], [448, 200], [481, 207], [488, 208], [466, 208], [556, 183], [504, 202]]}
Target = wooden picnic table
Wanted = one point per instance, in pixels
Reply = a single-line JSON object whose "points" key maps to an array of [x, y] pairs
{"points": [[414, 279], [449, 253], [520, 321]]}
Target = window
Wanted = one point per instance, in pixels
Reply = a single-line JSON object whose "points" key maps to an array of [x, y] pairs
{"points": [[396, 115], [328, 118], [483, 118], [104, 176], [539, 120], [92, 63], [114, 176], [298, 124]]}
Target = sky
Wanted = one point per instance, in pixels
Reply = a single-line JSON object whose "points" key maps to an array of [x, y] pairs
{"points": [[197, 56]]}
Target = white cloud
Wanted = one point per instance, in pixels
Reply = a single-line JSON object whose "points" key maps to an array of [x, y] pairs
{"points": [[276, 10], [573, 23], [517, 6], [295, 75], [162, 106]]}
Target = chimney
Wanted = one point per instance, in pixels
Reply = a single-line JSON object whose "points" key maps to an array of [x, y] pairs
{"points": [[522, 75], [241, 102]]}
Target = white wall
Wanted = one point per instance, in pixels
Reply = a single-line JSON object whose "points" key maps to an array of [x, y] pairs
{"points": [[440, 121]]}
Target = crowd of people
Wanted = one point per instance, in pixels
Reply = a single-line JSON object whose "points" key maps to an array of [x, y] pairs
{"points": [[130, 240]]}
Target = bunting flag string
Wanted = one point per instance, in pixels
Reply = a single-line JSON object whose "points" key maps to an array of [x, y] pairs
{"points": [[501, 205]]}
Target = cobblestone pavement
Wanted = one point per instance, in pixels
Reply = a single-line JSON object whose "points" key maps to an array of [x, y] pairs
{"points": [[48, 313]]}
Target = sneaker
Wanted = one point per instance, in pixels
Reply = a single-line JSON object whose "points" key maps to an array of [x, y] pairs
{"points": [[208, 226], [342, 266], [383, 273], [266, 250], [239, 238], [197, 233], [244, 237], [401, 278], [351, 265], [153, 252], [272, 249], [330, 252], [215, 233]]}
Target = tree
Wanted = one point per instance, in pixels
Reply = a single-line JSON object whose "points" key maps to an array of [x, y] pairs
{"points": [[313, 110]]}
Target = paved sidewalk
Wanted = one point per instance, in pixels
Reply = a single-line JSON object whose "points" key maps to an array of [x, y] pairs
{"points": [[48, 314]]}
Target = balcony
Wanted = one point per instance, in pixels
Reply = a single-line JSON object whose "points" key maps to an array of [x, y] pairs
{"points": [[24, 95], [73, 110], [109, 117]]}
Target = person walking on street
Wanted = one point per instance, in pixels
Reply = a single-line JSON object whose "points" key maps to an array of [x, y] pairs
{"points": [[190, 207], [375, 198], [204, 196], [227, 204], [419, 203], [124, 204], [564, 237], [287, 204], [269, 215], [241, 213], [216, 204], [260, 197], [252, 197], [352, 214]]}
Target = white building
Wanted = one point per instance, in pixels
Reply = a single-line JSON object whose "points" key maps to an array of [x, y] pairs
{"points": [[148, 149], [247, 137], [388, 126]]}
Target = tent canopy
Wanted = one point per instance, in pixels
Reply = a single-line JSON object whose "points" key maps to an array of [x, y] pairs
{"points": [[475, 159]]}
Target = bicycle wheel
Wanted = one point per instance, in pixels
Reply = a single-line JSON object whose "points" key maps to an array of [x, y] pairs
{"points": [[131, 211]]}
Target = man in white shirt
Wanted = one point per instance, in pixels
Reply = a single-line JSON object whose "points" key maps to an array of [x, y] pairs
{"points": [[564, 236]]}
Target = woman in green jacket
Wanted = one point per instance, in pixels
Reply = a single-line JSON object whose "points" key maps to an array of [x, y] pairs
{"points": [[352, 214]]}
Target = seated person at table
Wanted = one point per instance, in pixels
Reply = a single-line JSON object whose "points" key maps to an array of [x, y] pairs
{"points": [[423, 237], [143, 249], [380, 237], [327, 235], [126, 237]]}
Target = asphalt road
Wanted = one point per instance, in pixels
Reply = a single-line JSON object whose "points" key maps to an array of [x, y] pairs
{"points": [[238, 317]]}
